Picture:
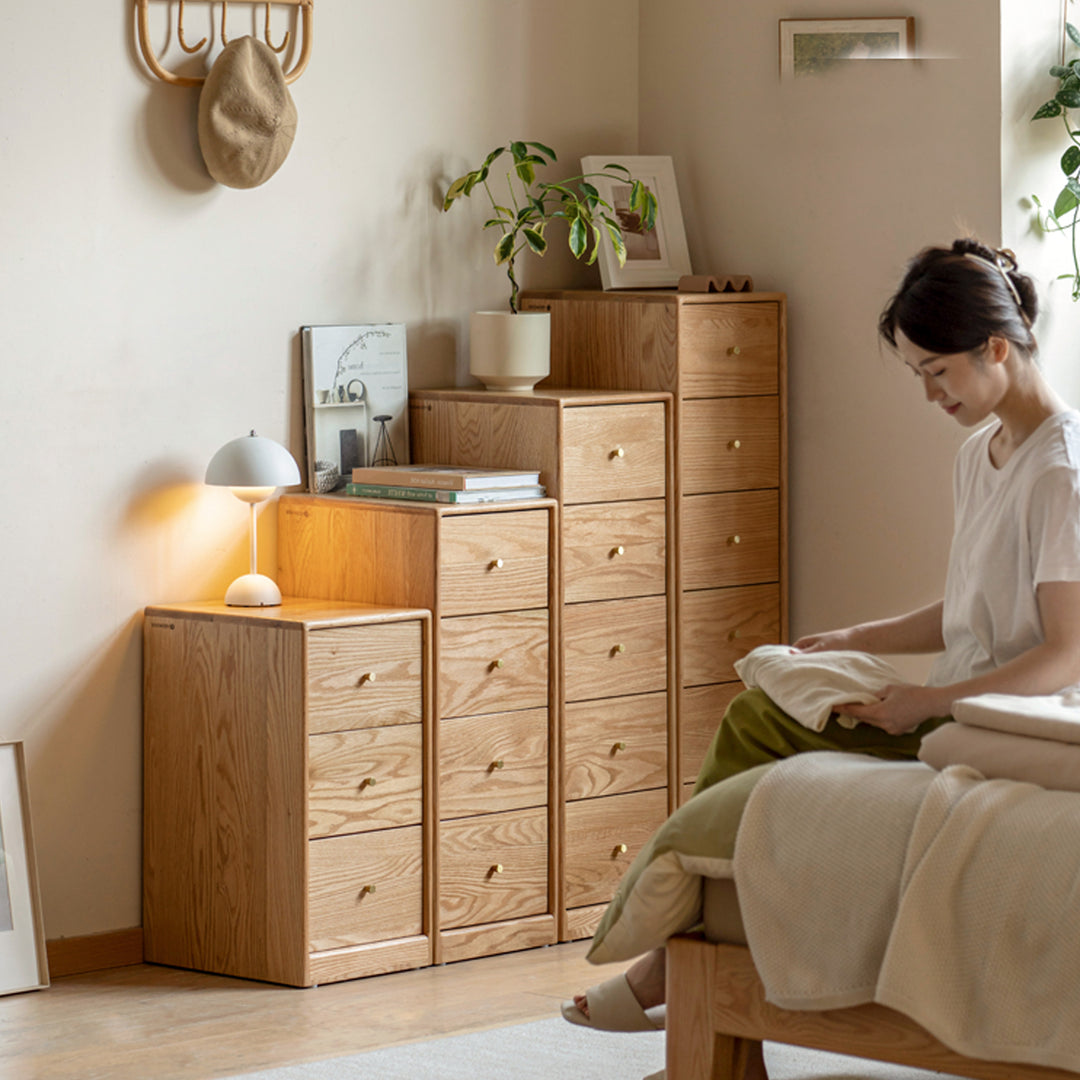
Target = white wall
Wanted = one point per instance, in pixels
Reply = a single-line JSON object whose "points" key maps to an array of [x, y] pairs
{"points": [[150, 315], [823, 188]]}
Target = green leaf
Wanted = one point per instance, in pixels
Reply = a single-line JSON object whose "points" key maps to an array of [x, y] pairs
{"points": [[1066, 201], [578, 237], [616, 241], [588, 190], [493, 222], [453, 191], [1074, 34], [1074, 186], [535, 240], [543, 150], [1069, 97], [493, 155], [1070, 160], [1060, 72], [1051, 108], [598, 237], [504, 248]]}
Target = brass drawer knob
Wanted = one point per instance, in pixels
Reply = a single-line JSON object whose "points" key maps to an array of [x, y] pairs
{"points": [[736, 539], [496, 869], [734, 350], [366, 890], [734, 444], [498, 764], [734, 635], [617, 649], [618, 550], [495, 564], [368, 781], [496, 664], [618, 452], [368, 676], [620, 849], [620, 745]]}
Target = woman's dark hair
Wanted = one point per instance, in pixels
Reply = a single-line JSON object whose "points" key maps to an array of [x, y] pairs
{"points": [[954, 299]]}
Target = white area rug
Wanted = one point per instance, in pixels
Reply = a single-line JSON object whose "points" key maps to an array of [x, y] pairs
{"points": [[556, 1050]]}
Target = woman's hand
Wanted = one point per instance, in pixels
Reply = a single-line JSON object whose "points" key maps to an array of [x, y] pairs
{"points": [[901, 708], [831, 639]]}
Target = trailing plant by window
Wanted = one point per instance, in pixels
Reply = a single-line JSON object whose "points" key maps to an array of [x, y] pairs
{"points": [[1064, 215]]}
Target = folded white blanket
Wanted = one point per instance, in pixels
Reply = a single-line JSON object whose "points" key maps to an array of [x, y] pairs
{"points": [[808, 686], [998, 755], [1055, 716]]}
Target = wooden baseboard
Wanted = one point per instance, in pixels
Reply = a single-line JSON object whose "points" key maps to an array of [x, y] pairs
{"points": [[94, 952]]}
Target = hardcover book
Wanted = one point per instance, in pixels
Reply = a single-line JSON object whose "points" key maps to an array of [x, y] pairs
{"points": [[446, 477], [441, 495]]}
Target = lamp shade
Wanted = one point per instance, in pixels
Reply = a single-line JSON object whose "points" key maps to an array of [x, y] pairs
{"points": [[254, 462]]}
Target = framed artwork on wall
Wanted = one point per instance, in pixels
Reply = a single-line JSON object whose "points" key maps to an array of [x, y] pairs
{"points": [[23, 964], [655, 257], [815, 46]]}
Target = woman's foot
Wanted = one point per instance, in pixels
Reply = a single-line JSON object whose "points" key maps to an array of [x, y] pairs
{"points": [[646, 979]]}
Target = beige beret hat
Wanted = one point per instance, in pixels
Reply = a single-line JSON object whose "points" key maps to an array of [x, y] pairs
{"points": [[247, 119]]}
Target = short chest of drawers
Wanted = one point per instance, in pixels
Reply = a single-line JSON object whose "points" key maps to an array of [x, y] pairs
{"points": [[723, 357], [606, 458], [287, 825], [487, 573]]}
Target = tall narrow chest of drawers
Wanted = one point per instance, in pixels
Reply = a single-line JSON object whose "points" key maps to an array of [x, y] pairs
{"points": [[486, 572], [606, 457], [723, 357], [287, 829]]}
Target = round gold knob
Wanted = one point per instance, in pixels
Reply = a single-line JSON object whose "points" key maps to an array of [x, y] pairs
{"points": [[620, 849], [497, 868], [734, 444], [618, 550], [734, 635], [495, 664], [736, 539], [734, 350], [497, 764], [617, 452], [367, 889], [368, 676], [618, 746], [619, 648], [495, 564], [368, 781]]}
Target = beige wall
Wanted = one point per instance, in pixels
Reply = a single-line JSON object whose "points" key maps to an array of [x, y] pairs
{"points": [[823, 188], [149, 316]]}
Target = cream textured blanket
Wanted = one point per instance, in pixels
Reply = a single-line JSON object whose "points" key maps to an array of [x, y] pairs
{"points": [[951, 898]]}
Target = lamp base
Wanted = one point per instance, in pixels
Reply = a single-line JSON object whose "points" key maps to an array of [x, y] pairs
{"points": [[253, 590]]}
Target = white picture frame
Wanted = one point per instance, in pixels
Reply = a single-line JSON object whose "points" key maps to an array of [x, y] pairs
{"points": [[23, 961], [356, 400], [813, 46], [660, 257]]}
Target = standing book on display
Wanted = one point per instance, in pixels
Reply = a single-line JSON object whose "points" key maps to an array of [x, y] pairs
{"points": [[356, 400]]}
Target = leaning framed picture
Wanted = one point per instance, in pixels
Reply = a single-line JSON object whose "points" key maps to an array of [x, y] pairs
{"points": [[815, 46], [23, 964], [654, 257]]}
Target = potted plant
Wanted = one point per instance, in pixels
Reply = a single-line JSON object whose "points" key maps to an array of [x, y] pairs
{"points": [[510, 350]]}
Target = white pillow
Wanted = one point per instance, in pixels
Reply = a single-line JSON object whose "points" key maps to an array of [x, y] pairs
{"points": [[1054, 716]]}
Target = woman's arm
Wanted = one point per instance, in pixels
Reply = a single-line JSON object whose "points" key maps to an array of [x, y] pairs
{"points": [[916, 632], [1045, 669]]}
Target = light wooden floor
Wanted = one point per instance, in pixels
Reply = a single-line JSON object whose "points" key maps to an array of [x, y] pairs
{"points": [[157, 1023]]}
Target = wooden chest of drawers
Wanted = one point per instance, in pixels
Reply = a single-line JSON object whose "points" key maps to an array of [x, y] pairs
{"points": [[286, 771], [606, 458], [487, 573], [723, 357]]}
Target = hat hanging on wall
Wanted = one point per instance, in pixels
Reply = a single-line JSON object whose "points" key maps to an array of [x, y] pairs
{"points": [[247, 119]]}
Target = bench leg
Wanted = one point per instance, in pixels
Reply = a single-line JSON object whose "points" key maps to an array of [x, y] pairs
{"points": [[738, 1059]]}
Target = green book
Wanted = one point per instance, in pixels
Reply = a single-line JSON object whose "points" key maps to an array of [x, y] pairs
{"points": [[419, 494]]}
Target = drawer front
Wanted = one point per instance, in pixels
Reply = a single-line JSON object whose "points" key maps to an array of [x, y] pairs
{"points": [[730, 538], [613, 550], [493, 663], [721, 626], [364, 676], [603, 836], [616, 746], [730, 444], [364, 780], [613, 452], [493, 562], [614, 647], [700, 712], [493, 867], [729, 350], [365, 888], [492, 763]]}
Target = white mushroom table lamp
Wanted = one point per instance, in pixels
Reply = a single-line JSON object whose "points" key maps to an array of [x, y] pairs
{"points": [[253, 467]]}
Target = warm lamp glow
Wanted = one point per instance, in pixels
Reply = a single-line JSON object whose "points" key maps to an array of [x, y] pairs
{"points": [[253, 468]]}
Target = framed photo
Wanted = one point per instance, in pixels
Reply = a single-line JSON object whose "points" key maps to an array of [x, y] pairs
{"points": [[23, 964], [655, 257], [814, 46], [356, 400]]}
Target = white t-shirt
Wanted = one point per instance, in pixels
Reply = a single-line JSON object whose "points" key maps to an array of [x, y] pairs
{"points": [[1016, 527]]}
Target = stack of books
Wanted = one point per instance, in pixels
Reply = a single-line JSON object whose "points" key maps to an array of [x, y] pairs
{"points": [[444, 484]]}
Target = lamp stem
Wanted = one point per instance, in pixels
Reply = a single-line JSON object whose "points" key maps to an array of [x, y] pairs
{"points": [[254, 543]]}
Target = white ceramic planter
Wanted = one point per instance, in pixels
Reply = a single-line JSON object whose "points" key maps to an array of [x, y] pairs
{"points": [[510, 352]]}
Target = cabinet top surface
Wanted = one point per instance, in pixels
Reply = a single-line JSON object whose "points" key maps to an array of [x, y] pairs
{"points": [[654, 296], [293, 613], [556, 397], [294, 502]]}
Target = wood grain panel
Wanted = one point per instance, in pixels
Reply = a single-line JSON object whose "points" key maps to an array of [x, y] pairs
{"points": [[729, 350], [730, 538], [721, 626], [701, 708], [493, 867], [730, 444], [377, 958], [359, 781], [615, 745], [493, 663], [364, 676], [614, 549], [613, 647], [493, 562], [467, 942], [603, 836], [613, 452], [365, 888], [492, 763]]}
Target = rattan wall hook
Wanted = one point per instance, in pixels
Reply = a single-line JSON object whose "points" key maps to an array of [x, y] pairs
{"points": [[142, 33]]}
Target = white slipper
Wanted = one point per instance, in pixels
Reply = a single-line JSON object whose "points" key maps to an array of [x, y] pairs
{"points": [[613, 1007]]}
